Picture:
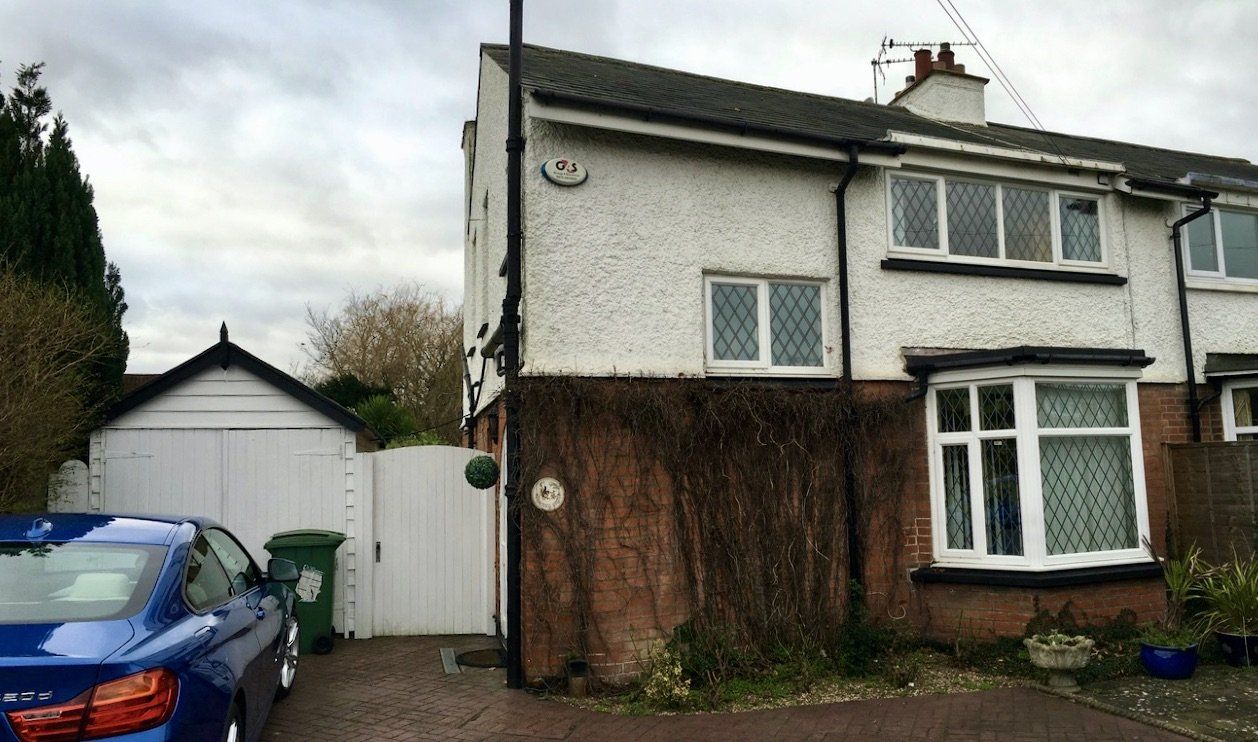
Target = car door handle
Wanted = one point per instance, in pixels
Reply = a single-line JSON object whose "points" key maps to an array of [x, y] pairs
{"points": [[261, 613]]}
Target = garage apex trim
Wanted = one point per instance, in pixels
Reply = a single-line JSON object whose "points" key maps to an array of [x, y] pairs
{"points": [[225, 353]]}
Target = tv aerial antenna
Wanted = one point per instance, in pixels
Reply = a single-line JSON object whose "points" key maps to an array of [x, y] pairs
{"points": [[886, 52]]}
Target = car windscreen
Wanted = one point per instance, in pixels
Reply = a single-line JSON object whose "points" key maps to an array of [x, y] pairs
{"points": [[75, 581]]}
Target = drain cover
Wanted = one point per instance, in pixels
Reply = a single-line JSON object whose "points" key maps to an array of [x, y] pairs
{"points": [[482, 658]]}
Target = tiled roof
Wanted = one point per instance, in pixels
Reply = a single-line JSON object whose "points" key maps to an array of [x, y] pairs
{"points": [[616, 82]]}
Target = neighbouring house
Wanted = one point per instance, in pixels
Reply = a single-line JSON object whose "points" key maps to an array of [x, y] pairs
{"points": [[1012, 295]]}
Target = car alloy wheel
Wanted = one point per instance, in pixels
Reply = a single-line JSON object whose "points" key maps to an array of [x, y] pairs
{"points": [[288, 668], [235, 727]]}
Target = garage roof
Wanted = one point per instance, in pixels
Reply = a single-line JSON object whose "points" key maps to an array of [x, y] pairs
{"points": [[226, 353]]}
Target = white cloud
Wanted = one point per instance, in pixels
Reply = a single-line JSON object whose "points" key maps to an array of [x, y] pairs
{"points": [[250, 159]]}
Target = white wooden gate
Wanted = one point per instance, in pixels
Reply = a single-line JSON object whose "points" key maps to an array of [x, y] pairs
{"points": [[434, 544]]}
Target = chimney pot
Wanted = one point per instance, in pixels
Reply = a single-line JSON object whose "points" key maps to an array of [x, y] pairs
{"points": [[922, 63], [947, 56]]}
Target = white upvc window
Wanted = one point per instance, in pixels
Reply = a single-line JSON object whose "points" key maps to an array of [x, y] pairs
{"points": [[765, 325], [1222, 245], [1240, 410], [1036, 468], [993, 223]]}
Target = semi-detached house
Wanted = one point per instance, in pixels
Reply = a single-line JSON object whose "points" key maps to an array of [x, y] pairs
{"points": [[1017, 290]]}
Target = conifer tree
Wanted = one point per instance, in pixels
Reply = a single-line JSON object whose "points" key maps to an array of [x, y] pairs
{"points": [[48, 224]]}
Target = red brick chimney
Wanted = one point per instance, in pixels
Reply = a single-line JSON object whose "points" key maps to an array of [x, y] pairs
{"points": [[921, 62], [947, 56]]}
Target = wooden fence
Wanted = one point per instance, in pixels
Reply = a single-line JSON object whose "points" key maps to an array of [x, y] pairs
{"points": [[1214, 498]]}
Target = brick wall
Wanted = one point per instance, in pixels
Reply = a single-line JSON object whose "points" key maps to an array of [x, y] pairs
{"points": [[635, 586]]}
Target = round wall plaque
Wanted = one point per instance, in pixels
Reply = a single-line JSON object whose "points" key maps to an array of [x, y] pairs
{"points": [[548, 494], [564, 172]]}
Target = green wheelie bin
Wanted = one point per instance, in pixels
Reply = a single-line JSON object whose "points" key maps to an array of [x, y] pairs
{"points": [[314, 553]]}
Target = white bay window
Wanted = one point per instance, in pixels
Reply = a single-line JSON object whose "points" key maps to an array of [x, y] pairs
{"points": [[1036, 469], [993, 223]]}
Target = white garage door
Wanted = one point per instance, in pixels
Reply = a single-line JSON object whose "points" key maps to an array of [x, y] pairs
{"points": [[255, 482]]}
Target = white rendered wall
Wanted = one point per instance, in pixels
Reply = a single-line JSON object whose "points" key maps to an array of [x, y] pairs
{"points": [[485, 235], [613, 269]]}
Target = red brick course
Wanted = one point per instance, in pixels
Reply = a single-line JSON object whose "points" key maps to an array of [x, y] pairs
{"points": [[635, 585]]}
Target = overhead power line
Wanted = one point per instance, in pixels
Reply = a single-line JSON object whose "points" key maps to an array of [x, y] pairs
{"points": [[958, 20]]}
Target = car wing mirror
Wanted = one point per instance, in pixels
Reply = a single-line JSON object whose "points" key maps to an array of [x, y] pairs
{"points": [[282, 570]]}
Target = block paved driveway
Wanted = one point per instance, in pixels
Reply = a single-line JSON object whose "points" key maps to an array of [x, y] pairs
{"points": [[395, 689]]}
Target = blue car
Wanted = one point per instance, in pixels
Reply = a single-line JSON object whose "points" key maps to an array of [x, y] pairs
{"points": [[139, 628]]}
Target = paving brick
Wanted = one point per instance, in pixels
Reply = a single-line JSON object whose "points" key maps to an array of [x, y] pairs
{"points": [[395, 689]]}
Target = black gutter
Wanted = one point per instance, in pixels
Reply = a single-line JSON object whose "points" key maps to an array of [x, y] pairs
{"points": [[511, 345], [738, 126], [1194, 406], [1169, 188], [920, 364]]}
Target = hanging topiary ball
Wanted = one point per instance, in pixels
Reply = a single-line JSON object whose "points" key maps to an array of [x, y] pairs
{"points": [[481, 472]]}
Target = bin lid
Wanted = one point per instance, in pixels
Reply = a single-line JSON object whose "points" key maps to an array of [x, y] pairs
{"points": [[305, 537]]}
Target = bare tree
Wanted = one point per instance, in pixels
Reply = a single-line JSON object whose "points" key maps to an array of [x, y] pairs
{"points": [[407, 338], [48, 342]]}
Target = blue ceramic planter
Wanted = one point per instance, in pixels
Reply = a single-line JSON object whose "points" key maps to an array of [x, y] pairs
{"points": [[1169, 663]]}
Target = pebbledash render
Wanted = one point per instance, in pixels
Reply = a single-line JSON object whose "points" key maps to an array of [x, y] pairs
{"points": [[1017, 289]]}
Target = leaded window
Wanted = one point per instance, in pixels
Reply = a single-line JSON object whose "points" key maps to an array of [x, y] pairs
{"points": [[1037, 473], [765, 324], [978, 221], [1223, 244]]}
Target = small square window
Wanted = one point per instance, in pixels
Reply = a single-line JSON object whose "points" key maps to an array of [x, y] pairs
{"points": [[972, 219], [1203, 253], [954, 410], [1028, 225], [1240, 243], [915, 213], [735, 320], [761, 324], [995, 407], [1080, 229]]}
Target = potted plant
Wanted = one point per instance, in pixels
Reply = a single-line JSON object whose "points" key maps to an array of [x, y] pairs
{"points": [[1231, 595], [1062, 655], [1168, 649]]}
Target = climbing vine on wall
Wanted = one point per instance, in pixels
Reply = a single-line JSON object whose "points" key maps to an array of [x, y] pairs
{"points": [[715, 504]]}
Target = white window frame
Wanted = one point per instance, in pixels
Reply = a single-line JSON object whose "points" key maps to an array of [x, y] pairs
{"points": [[764, 364], [1230, 429], [943, 252], [1030, 488], [1216, 224]]}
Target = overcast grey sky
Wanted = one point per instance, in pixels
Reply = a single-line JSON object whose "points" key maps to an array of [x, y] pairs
{"points": [[251, 158]]}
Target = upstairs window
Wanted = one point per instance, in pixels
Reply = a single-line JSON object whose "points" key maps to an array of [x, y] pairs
{"points": [[765, 324], [994, 223], [1223, 244]]}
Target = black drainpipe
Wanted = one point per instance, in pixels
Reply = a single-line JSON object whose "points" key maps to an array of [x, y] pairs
{"points": [[1194, 406], [511, 346], [855, 557]]}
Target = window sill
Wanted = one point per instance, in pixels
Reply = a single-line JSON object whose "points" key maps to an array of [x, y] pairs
{"points": [[1056, 578], [1001, 271], [1209, 284], [819, 381]]}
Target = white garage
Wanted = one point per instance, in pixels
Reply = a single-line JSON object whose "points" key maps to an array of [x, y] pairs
{"points": [[228, 436]]}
